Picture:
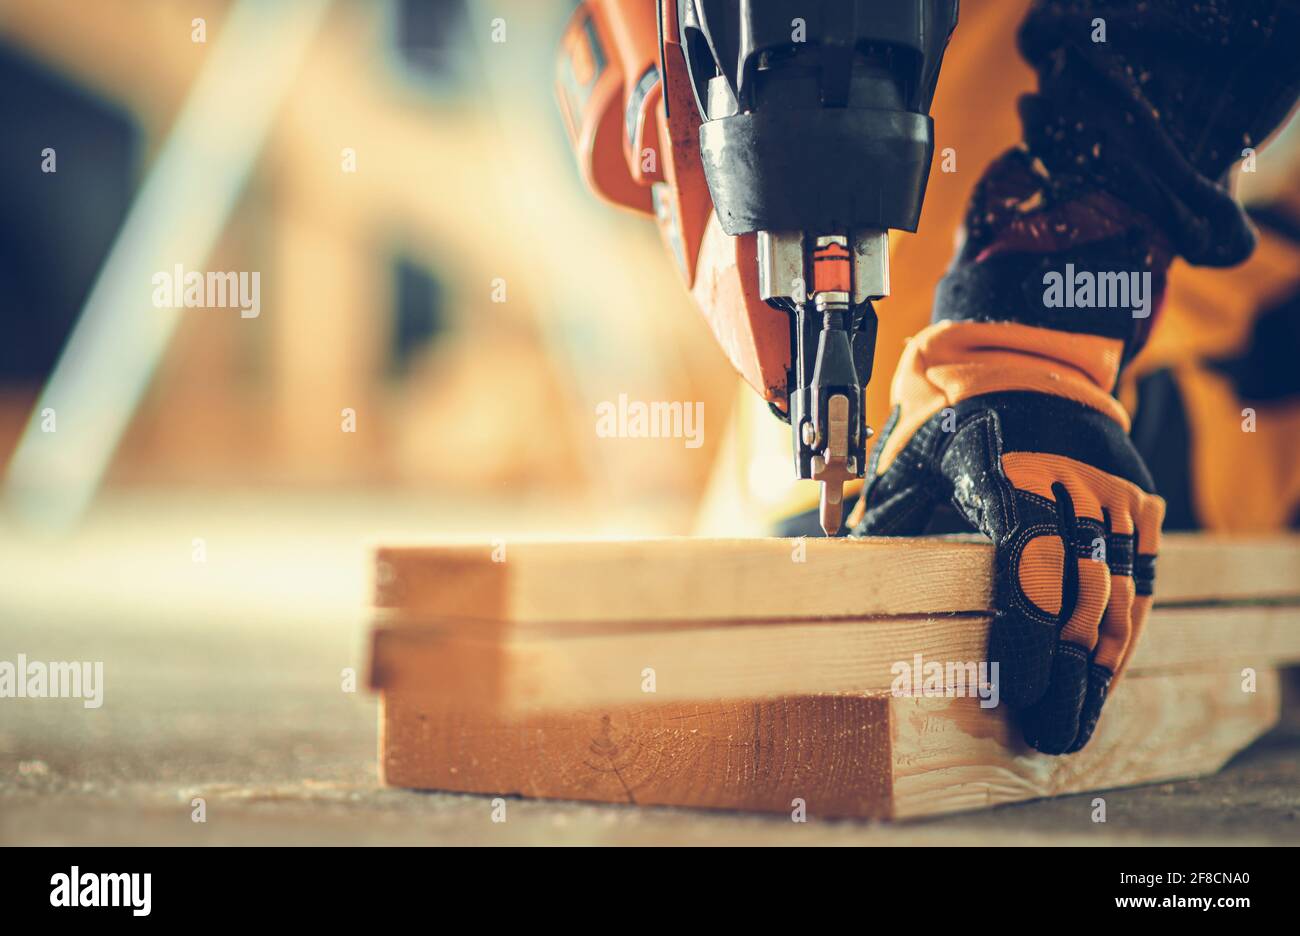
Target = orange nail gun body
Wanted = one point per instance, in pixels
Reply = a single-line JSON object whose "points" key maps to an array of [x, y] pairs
{"points": [[775, 144]]}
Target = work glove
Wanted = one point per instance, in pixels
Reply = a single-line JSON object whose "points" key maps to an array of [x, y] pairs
{"points": [[1004, 412], [1004, 407], [1010, 424]]}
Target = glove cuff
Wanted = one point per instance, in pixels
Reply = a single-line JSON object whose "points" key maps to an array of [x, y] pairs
{"points": [[1081, 262], [949, 362]]}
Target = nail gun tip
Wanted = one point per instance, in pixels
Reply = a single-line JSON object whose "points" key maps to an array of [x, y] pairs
{"points": [[831, 512]]}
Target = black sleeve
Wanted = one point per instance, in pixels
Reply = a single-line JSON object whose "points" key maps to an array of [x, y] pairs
{"points": [[1157, 113]]}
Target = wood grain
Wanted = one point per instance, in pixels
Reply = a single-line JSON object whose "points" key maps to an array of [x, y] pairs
{"points": [[847, 754], [949, 755], [832, 751], [772, 677], [684, 580], [773, 659]]}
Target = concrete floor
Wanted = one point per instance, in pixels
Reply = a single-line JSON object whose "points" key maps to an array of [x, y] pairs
{"points": [[223, 681]]}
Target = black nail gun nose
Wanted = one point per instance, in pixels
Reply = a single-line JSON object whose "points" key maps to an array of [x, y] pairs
{"points": [[816, 134], [833, 341]]}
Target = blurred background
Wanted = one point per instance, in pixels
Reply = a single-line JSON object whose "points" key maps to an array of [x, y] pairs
{"points": [[443, 305], [411, 175], [190, 496]]}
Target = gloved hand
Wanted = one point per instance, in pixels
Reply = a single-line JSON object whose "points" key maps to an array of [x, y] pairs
{"points": [[1004, 406], [1014, 426]]}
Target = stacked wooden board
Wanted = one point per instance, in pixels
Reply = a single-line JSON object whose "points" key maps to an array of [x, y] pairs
{"points": [[762, 674]]}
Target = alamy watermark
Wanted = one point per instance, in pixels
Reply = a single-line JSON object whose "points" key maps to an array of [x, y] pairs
{"points": [[1085, 289], [637, 419], [65, 679], [79, 888], [197, 290], [951, 680]]}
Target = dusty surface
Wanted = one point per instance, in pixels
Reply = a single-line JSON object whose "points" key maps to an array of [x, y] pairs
{"points": [[224, 680]]}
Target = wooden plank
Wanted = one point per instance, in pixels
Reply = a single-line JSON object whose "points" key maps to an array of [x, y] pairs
{"points": [[841, 754], [949, 755], [773, 659], [682, 580], [1197, 568], [529, 676], [754, 755]]}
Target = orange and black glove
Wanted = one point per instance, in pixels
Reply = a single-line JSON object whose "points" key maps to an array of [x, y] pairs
{"points": [[1004, 407], [1014, 427]]}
